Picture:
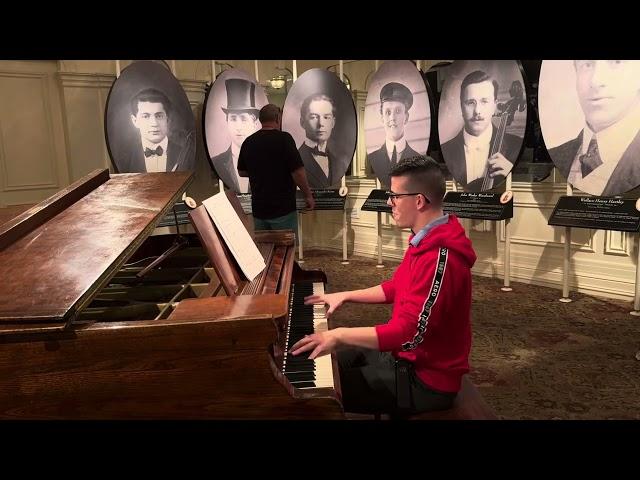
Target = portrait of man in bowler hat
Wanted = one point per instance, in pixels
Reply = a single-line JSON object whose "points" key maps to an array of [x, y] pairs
{"points": [[395, 102], [157, 150], [242, 120]]}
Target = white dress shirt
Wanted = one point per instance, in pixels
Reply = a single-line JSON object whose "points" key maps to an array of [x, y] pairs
{"points": [[476, 153], [156, 163], [613, 141], [400, 146], [320, 159]]}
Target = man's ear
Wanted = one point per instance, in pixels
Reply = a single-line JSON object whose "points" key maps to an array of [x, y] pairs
{"points": [[406, 120], [422, 203], [134, 120]]}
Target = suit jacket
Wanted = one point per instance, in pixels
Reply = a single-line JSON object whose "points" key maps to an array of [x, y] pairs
{"points": [[454, 157], [626, 175], [223, 165], [315, 174], [381, 163], [133, 159]]}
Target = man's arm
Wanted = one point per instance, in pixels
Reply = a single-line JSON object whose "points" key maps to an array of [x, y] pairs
{"points": [[300, 179], [325, 342], [335, 300], [242, 169]]}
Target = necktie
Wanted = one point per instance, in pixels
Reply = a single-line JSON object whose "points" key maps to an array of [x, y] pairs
{"points": [[394, 156], [590, 160], [318, 153], [158, 151]]}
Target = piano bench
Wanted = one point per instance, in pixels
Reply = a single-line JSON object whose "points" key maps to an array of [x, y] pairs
{"points": [[468, 405]]}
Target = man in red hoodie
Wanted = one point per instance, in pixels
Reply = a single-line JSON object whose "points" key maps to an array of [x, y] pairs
{"points": [[415, 362]]}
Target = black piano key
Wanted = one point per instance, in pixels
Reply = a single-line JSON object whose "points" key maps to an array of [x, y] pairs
{"points": [[301, 376], [303, 384]]}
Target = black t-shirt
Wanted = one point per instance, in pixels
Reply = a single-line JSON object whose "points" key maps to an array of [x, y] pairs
{"points": [[269, 157]]}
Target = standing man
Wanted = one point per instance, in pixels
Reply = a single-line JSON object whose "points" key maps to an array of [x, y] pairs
{"points": [[242, 120], [604, 159], [271, 161], [318, 117], [156, 151], [415, 362], [395, 102], [467, 154]]}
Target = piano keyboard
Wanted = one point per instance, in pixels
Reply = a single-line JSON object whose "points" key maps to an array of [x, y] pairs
{"points": [[302, 372]]}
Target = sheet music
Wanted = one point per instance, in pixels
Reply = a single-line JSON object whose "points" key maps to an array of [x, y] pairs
{"points": [[235, 235]]}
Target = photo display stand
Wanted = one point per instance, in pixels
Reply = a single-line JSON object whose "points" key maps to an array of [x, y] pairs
{"points": [[485, 206], [377, 202], [326, 199], [507, 242], [343, 190], [596, 213]]}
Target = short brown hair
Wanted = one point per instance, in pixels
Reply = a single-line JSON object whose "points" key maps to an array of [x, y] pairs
{"points": [[425, 176]]}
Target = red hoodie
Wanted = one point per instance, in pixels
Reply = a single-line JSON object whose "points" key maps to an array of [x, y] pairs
{"points": [[431, 321]]}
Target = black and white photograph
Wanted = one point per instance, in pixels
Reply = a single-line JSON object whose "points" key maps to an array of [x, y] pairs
{"points": [[482, 120], [231, 114], [149, 125], [320, 115], [397, 117], [590, 121]]}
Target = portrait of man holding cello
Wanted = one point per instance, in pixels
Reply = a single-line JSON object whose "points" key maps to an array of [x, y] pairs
{"points": [[482, 153]]}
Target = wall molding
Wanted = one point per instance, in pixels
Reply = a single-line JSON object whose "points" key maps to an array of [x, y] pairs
{"points": [[85, 80], [54, 182]]}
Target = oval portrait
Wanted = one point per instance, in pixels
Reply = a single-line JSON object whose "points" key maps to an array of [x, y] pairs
{"points": [[231, 114], [590, 121], [320, 115], [149, 125], [397, 117], [482, 120]]}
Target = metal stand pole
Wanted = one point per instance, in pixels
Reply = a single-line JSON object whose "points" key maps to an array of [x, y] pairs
{"points": [[567, 258], [345, 261], [636, 298], [300, 253], [507, 247], [380, 264]]}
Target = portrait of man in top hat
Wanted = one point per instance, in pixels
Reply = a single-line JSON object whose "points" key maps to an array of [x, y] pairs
{"points": [[395, 102], [242, 120]]}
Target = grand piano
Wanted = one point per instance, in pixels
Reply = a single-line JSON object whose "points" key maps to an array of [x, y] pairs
{"points": [[100, 319]]}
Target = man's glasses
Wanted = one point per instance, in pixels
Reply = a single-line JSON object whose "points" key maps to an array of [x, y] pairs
{"points": [[393, 196]]}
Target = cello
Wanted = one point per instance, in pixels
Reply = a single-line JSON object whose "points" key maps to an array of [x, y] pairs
{"points": [[506, 112]]}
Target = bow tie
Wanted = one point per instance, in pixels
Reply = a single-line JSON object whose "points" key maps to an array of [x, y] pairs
{"points": [[318, 153], [158, 151]]}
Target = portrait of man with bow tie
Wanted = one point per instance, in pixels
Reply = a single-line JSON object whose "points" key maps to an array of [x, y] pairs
{"points": [[317, 118], [320, 115], [150, 113], [601, 155], [149, 123]]}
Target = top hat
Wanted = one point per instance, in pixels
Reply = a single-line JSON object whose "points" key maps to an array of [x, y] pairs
{"points": [[396, 92], [241, 96]]}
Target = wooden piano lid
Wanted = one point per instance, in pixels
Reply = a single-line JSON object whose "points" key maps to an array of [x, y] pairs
{"points": [[56, 256]]}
